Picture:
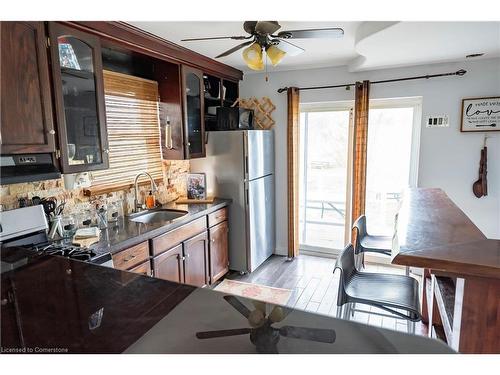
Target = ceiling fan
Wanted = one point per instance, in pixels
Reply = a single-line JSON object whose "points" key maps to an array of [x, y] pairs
{"points": [[263, 38], [263, 335]]}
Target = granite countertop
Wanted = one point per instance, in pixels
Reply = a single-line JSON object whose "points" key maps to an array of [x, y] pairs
{"points": [[126, 233], [53, 304]]}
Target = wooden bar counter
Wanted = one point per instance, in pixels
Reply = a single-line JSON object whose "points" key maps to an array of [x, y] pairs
{"points": [[461, 288]]}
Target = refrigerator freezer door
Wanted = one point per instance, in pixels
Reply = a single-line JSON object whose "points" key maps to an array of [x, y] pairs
{"points": [[259, 153], [260, 223]]}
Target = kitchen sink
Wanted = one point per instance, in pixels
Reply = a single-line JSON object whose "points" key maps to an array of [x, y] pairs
{"points": [[149, 217]]}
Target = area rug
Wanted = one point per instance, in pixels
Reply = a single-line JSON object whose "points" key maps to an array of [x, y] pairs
{"points": [[262, 293]]}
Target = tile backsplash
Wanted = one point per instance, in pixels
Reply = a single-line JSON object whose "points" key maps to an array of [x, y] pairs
{"points": [[173, 185]]}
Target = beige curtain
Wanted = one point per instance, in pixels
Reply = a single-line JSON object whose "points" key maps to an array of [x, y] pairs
{"points": [[293, 170], [361, 107]]}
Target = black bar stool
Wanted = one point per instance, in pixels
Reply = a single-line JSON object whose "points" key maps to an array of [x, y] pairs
{"points": [[366, 243], [396, 294]]}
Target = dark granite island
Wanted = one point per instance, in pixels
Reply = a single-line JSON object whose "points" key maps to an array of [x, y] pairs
{"points": [[53, 304]]}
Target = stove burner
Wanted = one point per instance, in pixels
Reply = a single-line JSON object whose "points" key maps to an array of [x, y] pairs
{"points": [[66, 250]]}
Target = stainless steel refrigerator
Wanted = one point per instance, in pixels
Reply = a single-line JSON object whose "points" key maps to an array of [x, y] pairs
{"points": [[240, 165]]}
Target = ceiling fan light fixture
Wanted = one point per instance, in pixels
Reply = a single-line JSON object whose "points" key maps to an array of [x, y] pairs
{"points": [[253, 56], [275, 54]]}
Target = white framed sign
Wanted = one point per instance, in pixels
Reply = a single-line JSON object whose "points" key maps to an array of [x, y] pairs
{"points": [[480, 114]]}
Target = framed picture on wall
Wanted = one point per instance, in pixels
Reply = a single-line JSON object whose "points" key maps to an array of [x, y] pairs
{"points": [[481, 114], [196, 186]]}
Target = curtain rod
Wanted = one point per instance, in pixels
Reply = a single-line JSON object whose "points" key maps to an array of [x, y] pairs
{"points": [[460, 72]]}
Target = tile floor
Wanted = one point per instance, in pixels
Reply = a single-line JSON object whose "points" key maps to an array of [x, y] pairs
{"points": [[314, 287]]}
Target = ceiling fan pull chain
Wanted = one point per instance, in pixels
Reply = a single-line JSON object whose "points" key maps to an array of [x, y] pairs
{"points": [[267, 75]]}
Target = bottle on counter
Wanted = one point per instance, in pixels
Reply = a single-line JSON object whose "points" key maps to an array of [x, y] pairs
{"points": [[150, 200]]}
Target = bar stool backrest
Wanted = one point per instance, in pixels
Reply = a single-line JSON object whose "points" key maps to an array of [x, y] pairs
{"points": [[345, 263], [360, 227]]}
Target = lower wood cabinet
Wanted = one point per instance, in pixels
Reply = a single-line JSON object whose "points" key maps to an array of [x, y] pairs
{"points": [[186, 263], [190, 254], [143, 269], [219, 257], [170, 265], [196, 260]]}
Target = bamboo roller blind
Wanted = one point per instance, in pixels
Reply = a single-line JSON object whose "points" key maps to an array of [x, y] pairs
{"points": [[132, 118]]}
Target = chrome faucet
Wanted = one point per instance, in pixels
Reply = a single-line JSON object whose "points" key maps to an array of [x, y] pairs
{"points": [[154, 188]]}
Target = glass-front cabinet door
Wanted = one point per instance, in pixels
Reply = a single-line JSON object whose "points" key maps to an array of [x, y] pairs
{"points": [[193, 113], [79, 99]]}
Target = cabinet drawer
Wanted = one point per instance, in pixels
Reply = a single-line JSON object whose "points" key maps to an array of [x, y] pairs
{"points": [[131, 257], [216, 217], [176, 236], [143, 268]]}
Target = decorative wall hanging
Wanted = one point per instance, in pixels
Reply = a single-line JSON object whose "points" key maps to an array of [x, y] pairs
{"points": [[262, 108], [481, 114], [480, 186]]}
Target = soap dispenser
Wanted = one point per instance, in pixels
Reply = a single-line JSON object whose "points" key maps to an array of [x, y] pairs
{"points": [[150, 200]]}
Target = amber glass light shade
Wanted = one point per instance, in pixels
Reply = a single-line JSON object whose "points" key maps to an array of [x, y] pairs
{"points": [[275, 54], [253, 56]]}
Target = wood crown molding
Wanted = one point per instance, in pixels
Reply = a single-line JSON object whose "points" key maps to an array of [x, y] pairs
{"points": [[141, 41]]}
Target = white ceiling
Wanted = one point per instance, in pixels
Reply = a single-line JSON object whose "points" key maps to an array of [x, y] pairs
{"points": [[364, 46]]}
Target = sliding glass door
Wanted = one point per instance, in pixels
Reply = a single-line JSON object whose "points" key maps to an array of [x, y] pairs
{"points": [[326, 168], [324, 156], [391, 159]]}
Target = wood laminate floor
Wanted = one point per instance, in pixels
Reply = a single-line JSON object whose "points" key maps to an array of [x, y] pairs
{"points": [[314, 287]]}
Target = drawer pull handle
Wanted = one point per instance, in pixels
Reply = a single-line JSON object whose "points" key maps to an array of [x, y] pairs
{"points": [[130, 258]]}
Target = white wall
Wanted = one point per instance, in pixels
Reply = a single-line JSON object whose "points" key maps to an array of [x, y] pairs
{"points": [[449, 159]]}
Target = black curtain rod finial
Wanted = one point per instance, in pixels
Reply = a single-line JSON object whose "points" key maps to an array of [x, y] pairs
{"points": [[283, 89]]}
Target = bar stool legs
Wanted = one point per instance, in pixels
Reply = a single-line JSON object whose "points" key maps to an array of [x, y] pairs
{"points": [[411, 327]]}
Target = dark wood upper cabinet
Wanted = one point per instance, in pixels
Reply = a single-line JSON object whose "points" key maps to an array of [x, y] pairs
{"points": [[168, 76], [170, 265], [26, 108], [219, 257], [79, 99], [196, 260], [194, 123]]}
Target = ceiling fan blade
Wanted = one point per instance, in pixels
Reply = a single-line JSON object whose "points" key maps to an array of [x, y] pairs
{"points": [[222, 333], [233, 301], [267, 27], [234, 49], [334, 32], [290, 48], [249, 26], [240, 37], [312, 334]]}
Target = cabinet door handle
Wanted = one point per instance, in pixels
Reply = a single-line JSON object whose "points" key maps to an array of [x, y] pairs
{"points": [[183, 258], [169, 143], [52, 132], [106, 150], [187, 256]]}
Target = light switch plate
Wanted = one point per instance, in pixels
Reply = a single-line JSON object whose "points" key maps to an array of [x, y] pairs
{"points": [[438, 121]]}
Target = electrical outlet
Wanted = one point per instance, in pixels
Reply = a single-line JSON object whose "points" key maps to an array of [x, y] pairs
{"points": [[439, 121]]}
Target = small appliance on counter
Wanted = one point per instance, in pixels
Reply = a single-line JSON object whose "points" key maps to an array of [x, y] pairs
{"points": [[26, 229], [232, 118]]}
